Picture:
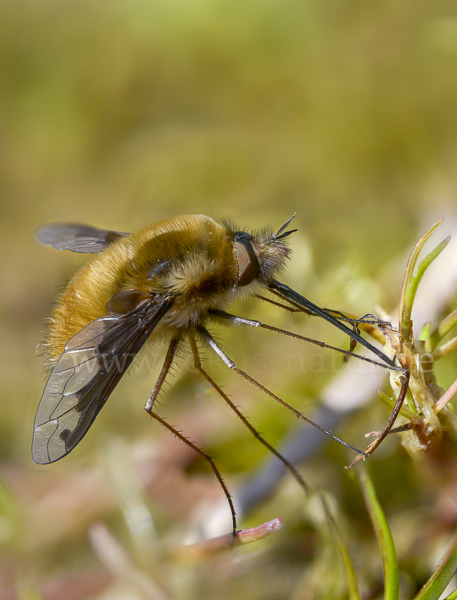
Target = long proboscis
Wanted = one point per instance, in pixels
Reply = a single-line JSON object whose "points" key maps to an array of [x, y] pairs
{"points": [[296, 299]]}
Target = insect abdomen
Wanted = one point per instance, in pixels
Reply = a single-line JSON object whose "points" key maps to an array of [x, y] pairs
{"points": [[190, 259]]}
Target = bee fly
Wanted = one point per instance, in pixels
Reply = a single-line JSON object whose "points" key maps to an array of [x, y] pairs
{"points": [[165, 282]]}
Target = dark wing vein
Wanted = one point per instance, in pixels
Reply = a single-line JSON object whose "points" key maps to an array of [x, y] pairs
{"points": [[81, 381]]}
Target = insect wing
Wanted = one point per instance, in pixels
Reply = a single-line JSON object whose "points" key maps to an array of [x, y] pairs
{"points": [[76, 237], [81, 381]]}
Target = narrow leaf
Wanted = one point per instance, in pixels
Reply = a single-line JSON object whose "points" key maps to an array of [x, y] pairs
{"points": [[442, 575], [379, 521], [414, 278]]}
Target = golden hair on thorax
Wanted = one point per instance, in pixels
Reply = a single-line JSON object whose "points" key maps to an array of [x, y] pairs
{"points": [[165, 282]]}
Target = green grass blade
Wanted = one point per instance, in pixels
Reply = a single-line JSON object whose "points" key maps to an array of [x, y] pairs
{"points": [[442, 330], [379, 521], [353, 590], [408, 414], [441, 577], [414, 280]]}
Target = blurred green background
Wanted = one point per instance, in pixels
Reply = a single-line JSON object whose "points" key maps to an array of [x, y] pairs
{"points": [[119, 114]]}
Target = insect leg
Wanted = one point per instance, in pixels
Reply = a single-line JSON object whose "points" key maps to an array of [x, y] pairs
{"points": [[208, 458], [368, 319], [171, 352], [369, 323], [252, 323], [149, 405], [255, 433], [393, 415], [404, 379], [284, 306], [218, 350], [296, 299]]}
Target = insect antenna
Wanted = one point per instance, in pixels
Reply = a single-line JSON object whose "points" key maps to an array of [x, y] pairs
{"points": [[279, 235]]}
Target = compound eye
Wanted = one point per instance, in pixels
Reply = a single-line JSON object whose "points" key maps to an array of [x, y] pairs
{"points": [[248, 265]]}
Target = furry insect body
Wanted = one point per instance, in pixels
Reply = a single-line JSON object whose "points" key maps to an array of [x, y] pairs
{"points": [[164, 282], [190, 259]]}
